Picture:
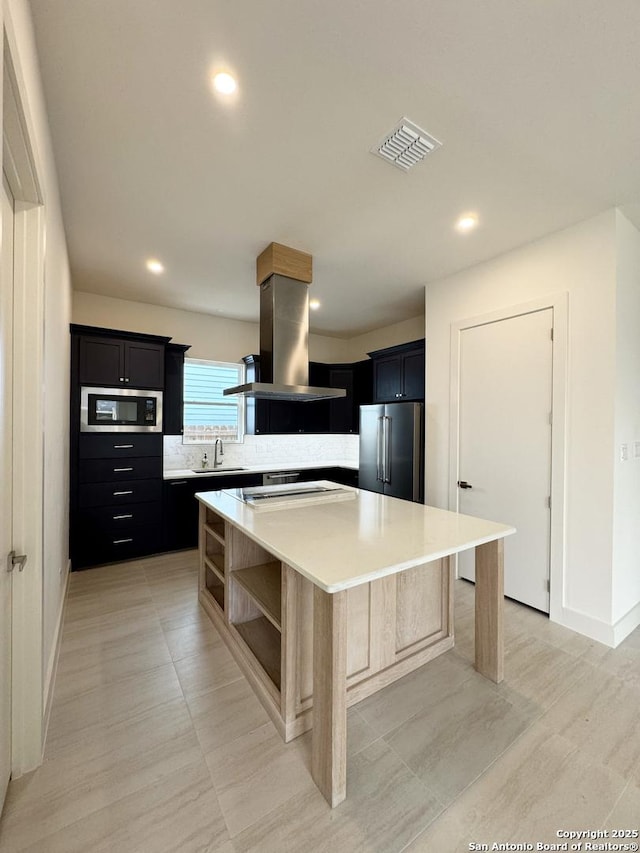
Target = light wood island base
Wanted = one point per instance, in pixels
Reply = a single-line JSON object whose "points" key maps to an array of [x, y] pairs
{"points": [[490, 610], [311, 650], [265, 612]]}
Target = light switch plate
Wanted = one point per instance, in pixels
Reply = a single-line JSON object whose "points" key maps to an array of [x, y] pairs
{"points": [[624, 452]]}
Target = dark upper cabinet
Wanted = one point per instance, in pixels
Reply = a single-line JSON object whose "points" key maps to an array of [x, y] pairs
{"points": [[387, 380], [398, 373], [341, 408], [285, 416], [357, 378], [413, 375], [101, 361], [268, 417], [121, 359], [173, 402], [316, 413], [143, 364]]}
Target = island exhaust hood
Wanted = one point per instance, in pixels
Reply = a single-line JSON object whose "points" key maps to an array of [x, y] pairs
{"points": [[283, 275]]}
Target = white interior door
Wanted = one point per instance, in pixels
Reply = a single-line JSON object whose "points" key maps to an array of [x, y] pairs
{"points": [[504, 452], [6, 483]]}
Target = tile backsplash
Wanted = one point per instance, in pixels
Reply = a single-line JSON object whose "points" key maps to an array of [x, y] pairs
{"points": [[265, 450]]}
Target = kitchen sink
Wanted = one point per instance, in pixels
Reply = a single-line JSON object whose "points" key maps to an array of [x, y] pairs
{"points": [[215, 470]]}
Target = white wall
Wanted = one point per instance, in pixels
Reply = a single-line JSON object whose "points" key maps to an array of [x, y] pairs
{"points": [[581, 261], [626, 527], [388, 336], [226, 340], [57, 315], [211, 337]]}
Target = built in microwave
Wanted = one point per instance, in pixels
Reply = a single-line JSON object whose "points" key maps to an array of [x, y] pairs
{"points": [[120, 410]]}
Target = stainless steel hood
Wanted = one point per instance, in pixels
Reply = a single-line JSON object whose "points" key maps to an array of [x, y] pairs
{"points": [[284, 345]]}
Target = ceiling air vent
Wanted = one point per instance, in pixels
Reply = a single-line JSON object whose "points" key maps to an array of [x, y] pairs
{"points": [[406, 145]]}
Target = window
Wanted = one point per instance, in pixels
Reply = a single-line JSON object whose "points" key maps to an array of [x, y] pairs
{"points": [[207, 413]]}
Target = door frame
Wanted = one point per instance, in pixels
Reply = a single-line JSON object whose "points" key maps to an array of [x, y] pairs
{"points": [[559, 303], [22, 167]]}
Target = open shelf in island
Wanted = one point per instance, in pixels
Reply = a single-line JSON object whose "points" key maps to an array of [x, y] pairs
{"points": [[214, 552], [215, 563], [215, 586], [214, 523], [263, 641], [264, 586], [216, 530]]}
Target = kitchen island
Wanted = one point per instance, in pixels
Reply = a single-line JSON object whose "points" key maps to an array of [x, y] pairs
{"points": [[325, 598]]}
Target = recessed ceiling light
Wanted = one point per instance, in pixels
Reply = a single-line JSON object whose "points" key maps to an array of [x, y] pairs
{"points": [[314, 304], [155, 266], [467, 222], [224, 83]]}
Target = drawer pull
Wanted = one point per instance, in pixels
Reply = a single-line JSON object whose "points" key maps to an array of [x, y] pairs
{"points": [[126, 515], [122, 446], [129, 492], [115, 470], [178, 483], [121, 541]]}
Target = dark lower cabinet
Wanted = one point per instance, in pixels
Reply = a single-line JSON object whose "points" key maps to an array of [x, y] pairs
{"points": [[116, 510], [97, 543], [116, 470], [344, 476], [180, 514], [180, 508], [116, 494], [118, 445]]}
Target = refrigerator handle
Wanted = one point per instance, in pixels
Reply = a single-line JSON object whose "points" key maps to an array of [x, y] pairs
{"points": [[379, 459], [387, 449]]}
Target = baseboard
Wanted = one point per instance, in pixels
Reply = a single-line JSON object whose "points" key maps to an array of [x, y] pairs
{"points": [[586, 625], [52, 666], [628, 623], [596, 629]]}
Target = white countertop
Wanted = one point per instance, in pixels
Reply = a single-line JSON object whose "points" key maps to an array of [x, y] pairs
{"points": [[184, 473], [342, 544]]}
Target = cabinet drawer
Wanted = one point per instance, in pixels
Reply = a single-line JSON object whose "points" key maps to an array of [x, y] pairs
{"points": [[103, 519], [116, 446], [116, 494], [113, 546], [115, 470]]}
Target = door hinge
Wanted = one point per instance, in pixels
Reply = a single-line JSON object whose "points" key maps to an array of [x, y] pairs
{"points": [[549, 502], [550, 418], [548, 585], [552, 333]]}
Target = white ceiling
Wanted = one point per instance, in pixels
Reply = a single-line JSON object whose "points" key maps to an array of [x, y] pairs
{"points": [[536, 102]]}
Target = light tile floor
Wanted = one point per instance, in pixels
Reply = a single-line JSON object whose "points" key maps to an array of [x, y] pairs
{"points": [[156, 742]]}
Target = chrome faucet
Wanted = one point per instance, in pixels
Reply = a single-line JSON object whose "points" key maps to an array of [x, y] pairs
{"points": [[217, 443]]}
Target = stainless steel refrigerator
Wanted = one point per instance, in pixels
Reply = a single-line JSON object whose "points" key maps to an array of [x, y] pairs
{"points": [[392, 450]]}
